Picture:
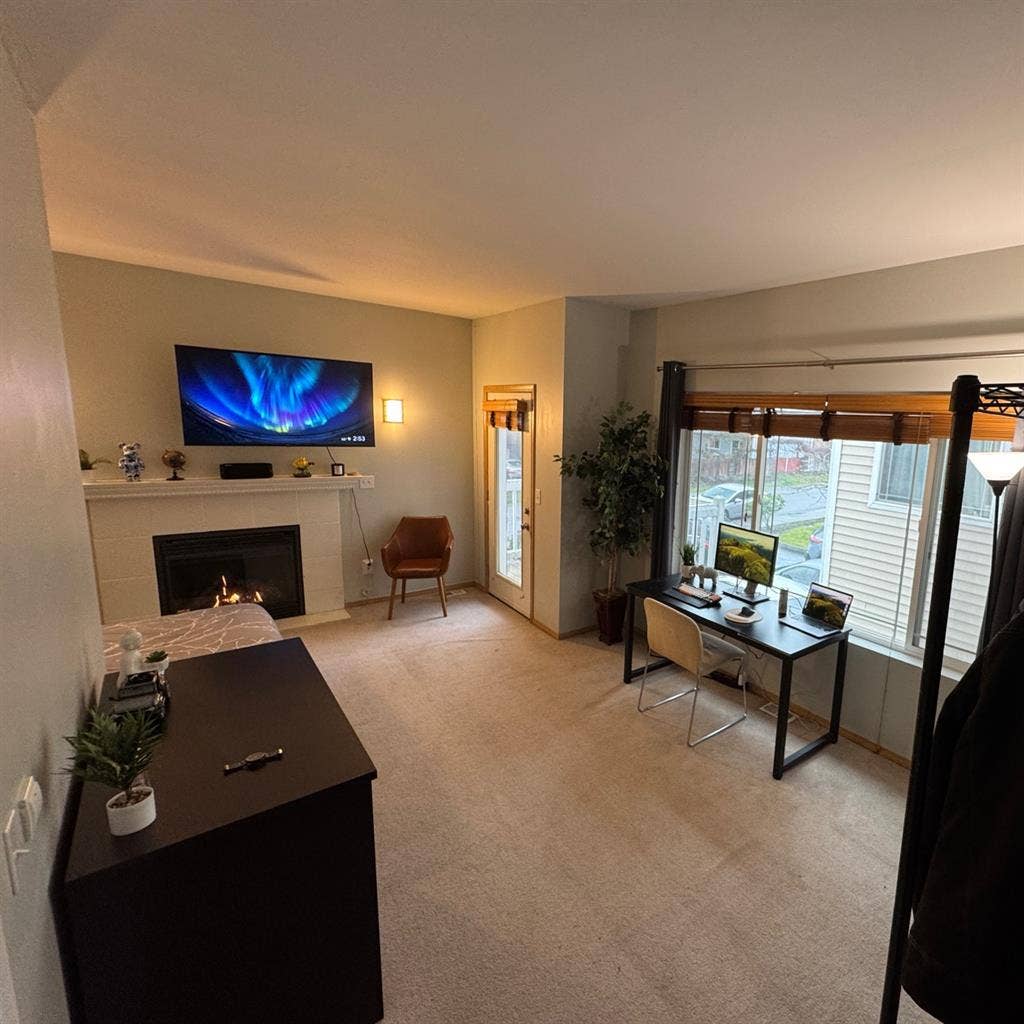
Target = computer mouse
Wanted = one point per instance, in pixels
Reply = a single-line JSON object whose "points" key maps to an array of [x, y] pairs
{"points": [[746, 612]]}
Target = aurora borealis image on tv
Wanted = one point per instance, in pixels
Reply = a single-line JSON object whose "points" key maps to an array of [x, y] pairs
{"points": [[253, 398]]}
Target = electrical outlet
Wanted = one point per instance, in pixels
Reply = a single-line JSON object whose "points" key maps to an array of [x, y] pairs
{"points": [[367, 566], [365, 592], [366, 483]]}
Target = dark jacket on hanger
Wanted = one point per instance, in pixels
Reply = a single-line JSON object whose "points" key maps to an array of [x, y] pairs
{"points": [[965, 957]]}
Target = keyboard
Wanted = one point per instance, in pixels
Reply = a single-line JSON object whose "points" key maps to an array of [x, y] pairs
{"points": [[698, 593]]}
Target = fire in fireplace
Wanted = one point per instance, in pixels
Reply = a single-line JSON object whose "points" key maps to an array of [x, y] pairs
{"points": [[228, 567]]}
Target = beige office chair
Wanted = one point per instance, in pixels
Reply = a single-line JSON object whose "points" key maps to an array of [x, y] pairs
{"points": [[677, 637]]}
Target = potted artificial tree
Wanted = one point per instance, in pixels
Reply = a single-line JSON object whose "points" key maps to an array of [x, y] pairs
{"points": [[115, 751], [624, 480], [88, 464]]}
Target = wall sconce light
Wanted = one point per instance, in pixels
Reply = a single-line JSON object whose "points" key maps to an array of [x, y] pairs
{"points": [[394, 410]]}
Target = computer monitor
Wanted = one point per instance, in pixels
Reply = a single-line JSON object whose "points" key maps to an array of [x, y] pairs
{"points": [[747, 555]]}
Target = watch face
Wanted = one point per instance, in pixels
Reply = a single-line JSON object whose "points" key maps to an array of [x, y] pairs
{"points": [[255, 758]]}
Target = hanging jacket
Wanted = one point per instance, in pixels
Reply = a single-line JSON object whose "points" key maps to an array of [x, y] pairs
{"points": [[965, 956]]}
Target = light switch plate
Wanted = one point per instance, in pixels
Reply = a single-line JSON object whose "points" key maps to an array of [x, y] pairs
{"points": [[365, 483]]}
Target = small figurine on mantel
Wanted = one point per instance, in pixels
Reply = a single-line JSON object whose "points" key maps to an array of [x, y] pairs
{"points": [[173, 460], [131, 463], [132, 659]]}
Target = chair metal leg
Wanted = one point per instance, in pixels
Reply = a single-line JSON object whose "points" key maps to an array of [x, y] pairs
{"points": [[665, 700], [403, 591], [736, 721], [444, 596], [391, 603]]}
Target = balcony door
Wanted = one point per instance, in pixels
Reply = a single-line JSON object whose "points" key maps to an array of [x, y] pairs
{"points": [[509, 476]]}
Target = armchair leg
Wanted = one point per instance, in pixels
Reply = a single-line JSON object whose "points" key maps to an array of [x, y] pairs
{"points": [[391, 603], [444, 597], [403, 591]]}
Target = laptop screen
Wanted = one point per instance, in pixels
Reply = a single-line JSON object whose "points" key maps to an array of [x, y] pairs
{"points": [[827, 606]]}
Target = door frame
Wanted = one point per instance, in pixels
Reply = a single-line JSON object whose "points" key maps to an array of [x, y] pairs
{"points": [[529, 390]]}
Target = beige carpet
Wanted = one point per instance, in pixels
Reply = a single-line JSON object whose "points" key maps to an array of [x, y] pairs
{"points": [[547, 854]]}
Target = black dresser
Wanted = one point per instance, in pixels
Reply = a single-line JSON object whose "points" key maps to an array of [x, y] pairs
{"points": [[253, 896]]}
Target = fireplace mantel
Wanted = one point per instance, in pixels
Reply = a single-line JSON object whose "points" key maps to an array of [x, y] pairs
{"points": [[125, 517], [103, 490]]}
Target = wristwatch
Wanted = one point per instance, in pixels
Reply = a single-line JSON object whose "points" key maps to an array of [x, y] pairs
{"points": [[254, 760]]}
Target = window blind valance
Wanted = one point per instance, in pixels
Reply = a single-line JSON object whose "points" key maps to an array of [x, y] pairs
{"points": [[506, 412], [902, 418]]}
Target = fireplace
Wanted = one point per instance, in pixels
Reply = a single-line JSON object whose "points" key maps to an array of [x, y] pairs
{"points": [[203, 570]]}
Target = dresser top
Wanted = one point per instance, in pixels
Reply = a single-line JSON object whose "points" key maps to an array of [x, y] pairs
{"points": [[224, 706]]}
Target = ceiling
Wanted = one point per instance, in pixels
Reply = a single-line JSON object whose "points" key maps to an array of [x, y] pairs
{"points": [[473, 157]]}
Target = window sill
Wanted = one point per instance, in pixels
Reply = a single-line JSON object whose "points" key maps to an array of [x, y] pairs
{"points": [[951, 668]]}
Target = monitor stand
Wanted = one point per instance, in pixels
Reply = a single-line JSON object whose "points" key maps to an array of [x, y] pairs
{"points": [[748, 593]]}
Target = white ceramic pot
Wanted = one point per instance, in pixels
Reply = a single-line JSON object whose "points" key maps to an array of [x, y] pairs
{"points": [[131, 818]]}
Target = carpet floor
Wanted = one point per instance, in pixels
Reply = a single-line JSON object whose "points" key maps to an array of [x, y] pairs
{"points": [[548, 855]]}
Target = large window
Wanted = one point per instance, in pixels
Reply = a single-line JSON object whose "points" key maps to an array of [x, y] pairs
{"points": [[859, 515]]}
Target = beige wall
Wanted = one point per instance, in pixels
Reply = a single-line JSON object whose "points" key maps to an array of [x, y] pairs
{"points": [[527, 346], [594, 335], [967, 303], [50, 655], [964, 304], [121, 323]]}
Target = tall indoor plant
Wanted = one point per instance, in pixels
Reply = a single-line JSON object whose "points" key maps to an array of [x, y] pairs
{"points": [[624, 479]]}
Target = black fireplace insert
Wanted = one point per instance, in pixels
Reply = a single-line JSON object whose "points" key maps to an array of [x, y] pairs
{"points": [[227, 567]]}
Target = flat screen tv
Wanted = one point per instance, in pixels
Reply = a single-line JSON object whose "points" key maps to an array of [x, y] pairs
{"points": [[230, 397]]}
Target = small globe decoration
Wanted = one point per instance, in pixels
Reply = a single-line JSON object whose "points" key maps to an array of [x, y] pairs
{"points": [[173, 460], [302, 466]]}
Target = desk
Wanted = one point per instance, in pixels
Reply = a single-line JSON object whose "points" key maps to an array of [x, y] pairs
{"points": [[768, 635]]}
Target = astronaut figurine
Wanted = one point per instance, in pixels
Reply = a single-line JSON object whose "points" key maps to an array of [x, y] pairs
{"points": [[131, 463], [132, 660]]}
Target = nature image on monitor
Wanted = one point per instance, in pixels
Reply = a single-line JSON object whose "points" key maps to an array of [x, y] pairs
{"points": [[745, 553], [253, 398], [827, 606]]}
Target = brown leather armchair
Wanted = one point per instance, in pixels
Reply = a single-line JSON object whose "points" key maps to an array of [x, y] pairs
{"points": [[419, 549]]}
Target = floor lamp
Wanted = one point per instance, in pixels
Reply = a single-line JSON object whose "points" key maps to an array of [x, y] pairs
{"points": [[998, 469]]}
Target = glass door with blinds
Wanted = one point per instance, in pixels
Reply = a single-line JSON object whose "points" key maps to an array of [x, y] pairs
{"points": [[509, 475]]}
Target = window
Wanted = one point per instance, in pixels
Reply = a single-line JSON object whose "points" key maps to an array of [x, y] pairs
{"points": [[901, 473], [858, 515]]}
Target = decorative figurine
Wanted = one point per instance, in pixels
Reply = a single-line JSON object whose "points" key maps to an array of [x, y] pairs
{"points": [[131, 463], [173, 460], [132, 659], [302, 466], [705, 572]]}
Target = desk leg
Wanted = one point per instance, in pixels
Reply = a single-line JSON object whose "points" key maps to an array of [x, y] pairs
{"points": [[837, 690], [782, 724], [627, 639]]}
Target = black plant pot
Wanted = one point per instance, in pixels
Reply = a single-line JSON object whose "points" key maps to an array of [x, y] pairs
{"points": [[611, 611]]}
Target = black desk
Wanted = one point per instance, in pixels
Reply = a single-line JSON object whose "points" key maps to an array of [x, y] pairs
{"points": [[768, 635], [253, 896]]}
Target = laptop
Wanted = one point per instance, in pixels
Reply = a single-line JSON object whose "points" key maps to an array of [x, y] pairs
{"points": [[824, 611]]}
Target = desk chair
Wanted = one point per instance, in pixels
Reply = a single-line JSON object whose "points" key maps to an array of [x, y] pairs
{"points": [[677, 637]]}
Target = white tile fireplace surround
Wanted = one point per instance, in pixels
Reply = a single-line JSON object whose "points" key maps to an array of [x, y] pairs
{"points": [[124, 517]]}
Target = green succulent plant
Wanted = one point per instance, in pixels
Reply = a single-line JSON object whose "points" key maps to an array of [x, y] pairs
{"points": [[156, 656], [115, 751]]}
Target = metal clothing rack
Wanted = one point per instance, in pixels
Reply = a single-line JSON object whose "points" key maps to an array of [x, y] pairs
{"points": [[968, 396]]}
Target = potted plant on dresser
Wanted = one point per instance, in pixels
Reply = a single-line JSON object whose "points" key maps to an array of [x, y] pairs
{"points": [[624, 479], [115, 751]]}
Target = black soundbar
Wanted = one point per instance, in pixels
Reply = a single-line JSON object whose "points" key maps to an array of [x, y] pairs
{"points": [[246, 470]]}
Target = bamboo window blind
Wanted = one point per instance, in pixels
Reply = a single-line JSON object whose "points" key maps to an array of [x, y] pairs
{"points": [[902, 418]]}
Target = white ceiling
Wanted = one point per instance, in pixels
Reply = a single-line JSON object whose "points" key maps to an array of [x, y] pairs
{"points": [[472, 157]]}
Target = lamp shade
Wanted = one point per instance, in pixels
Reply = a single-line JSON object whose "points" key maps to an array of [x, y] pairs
{"points": [[394, 410], [997, 467]]}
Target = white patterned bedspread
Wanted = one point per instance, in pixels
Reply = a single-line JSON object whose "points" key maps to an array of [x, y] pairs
{"points": [[191, 634]]}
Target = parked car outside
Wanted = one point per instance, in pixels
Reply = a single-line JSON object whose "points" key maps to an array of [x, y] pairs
{"points": [[734, 498], [804, 573]]}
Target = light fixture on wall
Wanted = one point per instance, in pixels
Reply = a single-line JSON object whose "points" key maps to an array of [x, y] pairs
{"points": [[394, 410]]}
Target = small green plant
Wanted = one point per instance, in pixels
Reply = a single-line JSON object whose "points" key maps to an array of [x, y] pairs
{"points": [[624, 479], [688, 554], [85, 462], [155, 657], [115, 751]]}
